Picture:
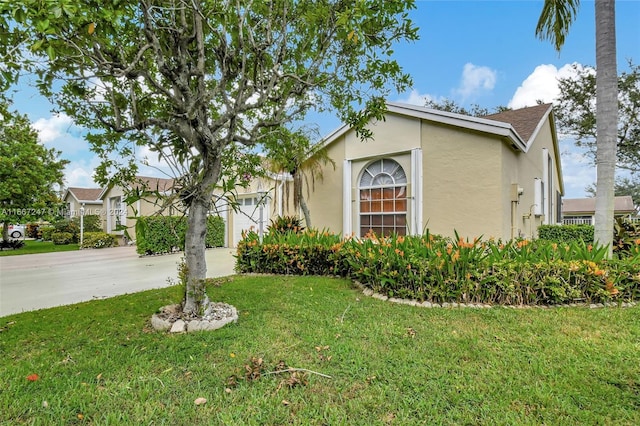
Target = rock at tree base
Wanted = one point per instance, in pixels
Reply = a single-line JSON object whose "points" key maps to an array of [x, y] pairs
{"points": [[216, 315]]}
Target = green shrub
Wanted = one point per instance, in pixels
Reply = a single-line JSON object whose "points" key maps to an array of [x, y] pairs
{"points": [[566, 233], [91, 223], [46, 231], [98, 240], [626, 236], [215, 232], [438, 269], [62, 238], [164, 234], [68, 226], [308, 253]]}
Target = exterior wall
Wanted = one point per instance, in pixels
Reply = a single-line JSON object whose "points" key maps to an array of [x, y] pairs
{"points": [[393, 138], [468, 178], [89, 209], [274, 207], [325, 202], [527, 170], [395, 134], [461, 182], [111, 214]]}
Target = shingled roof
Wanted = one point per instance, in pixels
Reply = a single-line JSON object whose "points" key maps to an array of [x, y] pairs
{"points": [[622, 205], [85, 194], [525, 121]]}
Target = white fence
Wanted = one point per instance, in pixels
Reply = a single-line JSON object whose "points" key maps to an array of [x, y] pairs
{"points": [[576, 221], [589, 220]]}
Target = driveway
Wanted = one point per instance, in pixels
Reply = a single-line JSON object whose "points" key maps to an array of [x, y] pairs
{"points": [[36, 281]]}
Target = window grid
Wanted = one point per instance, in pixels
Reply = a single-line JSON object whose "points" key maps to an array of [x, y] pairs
{"points": [[383, 199]]}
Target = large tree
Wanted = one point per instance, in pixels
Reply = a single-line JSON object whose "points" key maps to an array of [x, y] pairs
{"points": [[206, 79], [575, 112], [554, 23], [30, 174]]}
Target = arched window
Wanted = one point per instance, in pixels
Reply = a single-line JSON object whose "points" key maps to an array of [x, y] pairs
{"points": [[383, 199]]}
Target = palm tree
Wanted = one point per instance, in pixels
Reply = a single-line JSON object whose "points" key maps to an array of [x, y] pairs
{"points": [[554, 23], [295, 155]]}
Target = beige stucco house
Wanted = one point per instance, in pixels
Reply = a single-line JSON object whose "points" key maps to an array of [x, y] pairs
{"points": [[581, 211], [88, 198], [252, 207], [249, 208], [496, 176], [118, 214]]}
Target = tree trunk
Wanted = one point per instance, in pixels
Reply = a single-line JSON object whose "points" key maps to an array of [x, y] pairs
{"points": [[606, 120], [194, 244], [194, 250], [305, 211], [5, 231], [299, 200]]}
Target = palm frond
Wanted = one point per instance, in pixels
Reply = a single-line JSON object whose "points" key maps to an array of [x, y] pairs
{"points": [[555, 21]]}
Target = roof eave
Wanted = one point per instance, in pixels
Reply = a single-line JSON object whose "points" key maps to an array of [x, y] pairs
{"points": [[483, 125], [91, 201]]}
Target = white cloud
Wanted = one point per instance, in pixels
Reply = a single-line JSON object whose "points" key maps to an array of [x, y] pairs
{"points": [[416, 98], [541, 84], [59, 132], [577, 169], [475, 80], [80, 173], [50, 129]]}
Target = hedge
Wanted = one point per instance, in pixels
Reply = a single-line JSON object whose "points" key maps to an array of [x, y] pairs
{"points": [[98, 240], [62, 238], [566, 233], [165, 234]]}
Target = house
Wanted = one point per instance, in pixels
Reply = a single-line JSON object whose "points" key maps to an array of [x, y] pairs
{"points": [[581, 211], [249, 208], [120, 215], [495, 176], [88, 198]]}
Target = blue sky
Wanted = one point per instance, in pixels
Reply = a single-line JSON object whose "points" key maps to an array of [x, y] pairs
{"points": [[473, 52]]}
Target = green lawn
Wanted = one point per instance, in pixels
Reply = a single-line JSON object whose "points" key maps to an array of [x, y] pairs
{"points": [[32, 247], [99, 363]]}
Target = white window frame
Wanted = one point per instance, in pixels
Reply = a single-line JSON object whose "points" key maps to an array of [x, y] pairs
{"points": [[397, 182]]}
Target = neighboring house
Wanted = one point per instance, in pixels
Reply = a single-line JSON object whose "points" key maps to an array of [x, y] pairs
{"points": [[241, 213], [496, 176], [89, 198], [581, 211], [118, 214]]}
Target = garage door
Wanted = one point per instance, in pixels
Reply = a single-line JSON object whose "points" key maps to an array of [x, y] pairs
{"points": [[247, 217]]}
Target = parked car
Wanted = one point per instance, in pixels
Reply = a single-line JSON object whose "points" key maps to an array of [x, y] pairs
{"points": [[16, 231]]}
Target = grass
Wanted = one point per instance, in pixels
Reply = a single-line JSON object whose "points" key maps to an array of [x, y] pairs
{"points": [[99, 363], [33, 247]]}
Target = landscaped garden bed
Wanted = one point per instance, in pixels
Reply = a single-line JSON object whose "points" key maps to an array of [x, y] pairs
{"points": [[431, 268]]}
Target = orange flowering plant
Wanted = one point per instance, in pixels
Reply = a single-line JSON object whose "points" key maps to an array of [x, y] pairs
{"points": [[439, 269]]}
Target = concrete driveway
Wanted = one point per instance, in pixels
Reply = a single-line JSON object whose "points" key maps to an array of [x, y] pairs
{"points": [[36, 281]]}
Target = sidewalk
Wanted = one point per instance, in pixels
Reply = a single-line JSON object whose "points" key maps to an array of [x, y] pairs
{"points": [[36, 281]]}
